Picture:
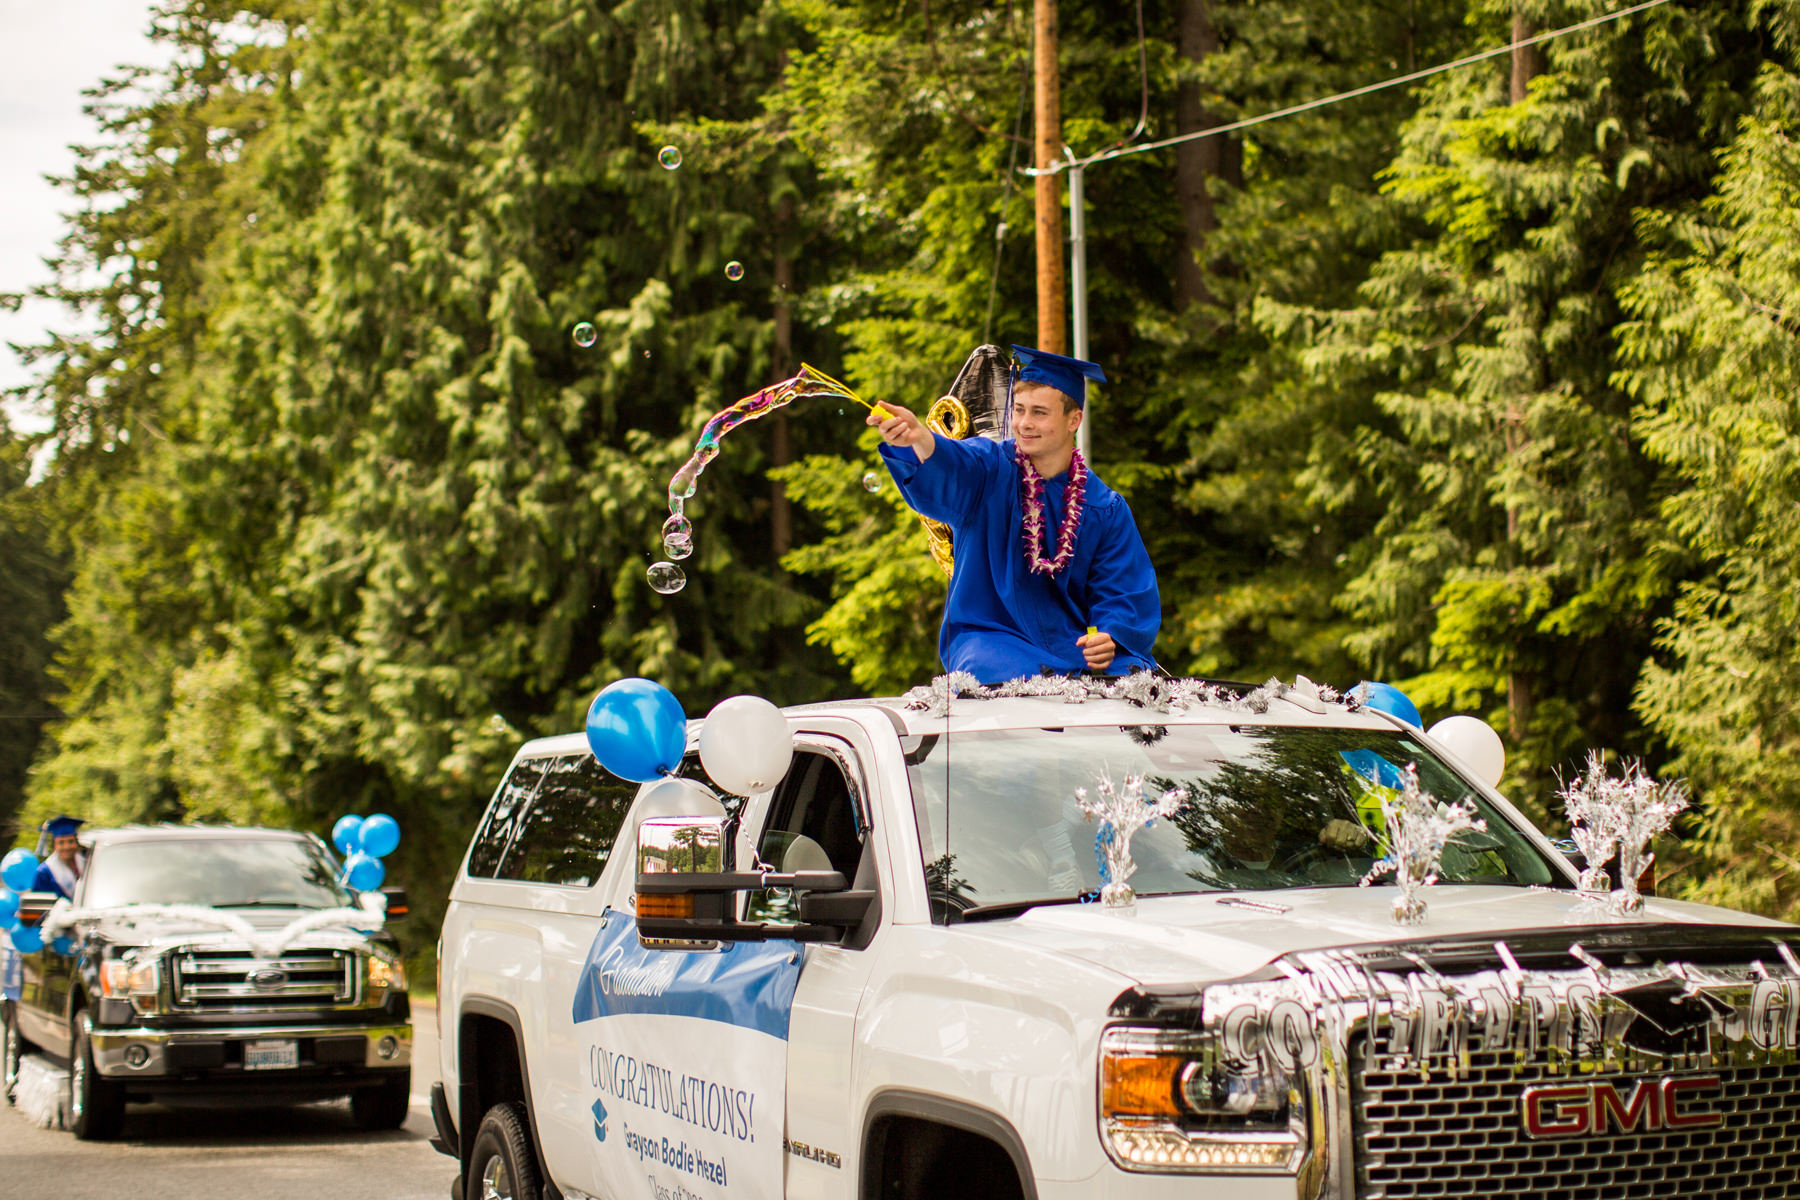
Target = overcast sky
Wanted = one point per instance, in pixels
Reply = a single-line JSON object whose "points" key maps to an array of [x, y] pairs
{"points": [[50, 50]]}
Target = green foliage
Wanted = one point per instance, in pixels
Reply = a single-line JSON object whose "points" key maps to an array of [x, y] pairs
{"points": [[1714, 363]]}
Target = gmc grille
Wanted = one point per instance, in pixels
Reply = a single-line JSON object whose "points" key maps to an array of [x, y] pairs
{"points": [[232, 979], [1444, 1136]]}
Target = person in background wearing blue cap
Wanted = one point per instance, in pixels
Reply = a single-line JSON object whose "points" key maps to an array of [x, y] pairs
{"points": [[65, 862], [1051, 574]]}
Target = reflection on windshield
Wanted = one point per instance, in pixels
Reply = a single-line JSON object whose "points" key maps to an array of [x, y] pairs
{"points": [[1264, 807], [212, 871]]}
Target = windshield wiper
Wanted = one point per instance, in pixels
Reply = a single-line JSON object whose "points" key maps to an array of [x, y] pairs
{"points": [[263, 904], [1010, 908]]}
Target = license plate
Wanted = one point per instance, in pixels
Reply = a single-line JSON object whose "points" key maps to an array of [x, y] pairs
{"points": [[270, 1055]]}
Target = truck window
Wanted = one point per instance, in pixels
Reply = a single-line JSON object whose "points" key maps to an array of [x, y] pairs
{"points": [[503, 816], [568, 829], [812, 827]]}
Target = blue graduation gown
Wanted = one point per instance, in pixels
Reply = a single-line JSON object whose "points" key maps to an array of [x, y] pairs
{"points": [[46, 881], [1001, 621]]}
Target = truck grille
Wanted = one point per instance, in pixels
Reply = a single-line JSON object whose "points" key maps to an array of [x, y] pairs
{"points": [[235, 980], [1464, 1135]]}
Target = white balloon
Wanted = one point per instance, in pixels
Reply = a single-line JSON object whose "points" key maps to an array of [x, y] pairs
{"points": [[678, 798], [745, 745], [1474, 741]]}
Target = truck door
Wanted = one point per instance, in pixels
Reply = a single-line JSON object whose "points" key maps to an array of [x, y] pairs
{"points": [[820, 818]]}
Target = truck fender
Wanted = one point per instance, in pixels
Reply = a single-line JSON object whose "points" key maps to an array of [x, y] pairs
{"points": [[938, 1110], [468, 1091]]}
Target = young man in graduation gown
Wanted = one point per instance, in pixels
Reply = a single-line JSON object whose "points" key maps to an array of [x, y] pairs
{"points": [[1045, 551], [59, 871]]}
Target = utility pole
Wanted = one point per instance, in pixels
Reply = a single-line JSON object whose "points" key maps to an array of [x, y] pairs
{"points": [[1048, 95]]}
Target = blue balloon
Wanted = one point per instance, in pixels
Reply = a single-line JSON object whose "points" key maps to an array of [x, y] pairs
{"points": [[26, 939], [63, 945], [346, 834], [18, 869], [1385, 697], [364, 872], [379, 835], [9, 907], [1374, 768], [637, 730]]}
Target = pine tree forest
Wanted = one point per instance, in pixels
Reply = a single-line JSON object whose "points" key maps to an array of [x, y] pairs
{"points": [[1487, 385]]}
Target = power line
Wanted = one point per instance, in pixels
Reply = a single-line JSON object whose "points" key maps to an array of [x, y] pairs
{"points": [[1396, 81]]}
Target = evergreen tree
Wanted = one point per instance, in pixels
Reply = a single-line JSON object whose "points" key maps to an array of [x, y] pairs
{"points": [[1713, 362]]}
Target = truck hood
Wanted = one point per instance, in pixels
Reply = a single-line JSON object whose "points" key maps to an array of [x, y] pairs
{"points": [[1205, 938]]}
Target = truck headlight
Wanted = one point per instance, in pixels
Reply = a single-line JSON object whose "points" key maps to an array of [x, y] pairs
{"points": [[384, 972], [1169, 1101], [138, 981]]}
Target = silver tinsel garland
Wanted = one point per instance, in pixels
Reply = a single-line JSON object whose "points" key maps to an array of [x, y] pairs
{"points": [[1145, 689], [1618, 818], [1418, 829], [1122, 811]]}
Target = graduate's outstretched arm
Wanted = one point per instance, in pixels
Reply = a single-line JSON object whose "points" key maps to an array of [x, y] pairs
{"points": [[904, 428]]}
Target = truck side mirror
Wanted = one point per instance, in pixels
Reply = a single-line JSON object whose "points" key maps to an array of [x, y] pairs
{"points": [[685, 894], [33, 906], [397, 906]]}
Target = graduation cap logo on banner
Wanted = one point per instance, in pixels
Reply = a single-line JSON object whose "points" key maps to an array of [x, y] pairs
{"points": [[1067, 375]]}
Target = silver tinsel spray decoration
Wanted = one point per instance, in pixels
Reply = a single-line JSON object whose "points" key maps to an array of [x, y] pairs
{"points": [[1418, 829], [1122, 811], [1609, 817]]}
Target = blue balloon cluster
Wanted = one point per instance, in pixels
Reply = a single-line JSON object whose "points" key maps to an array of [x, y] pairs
{"points": [[365, 841], [637, 730], [18, 870]]}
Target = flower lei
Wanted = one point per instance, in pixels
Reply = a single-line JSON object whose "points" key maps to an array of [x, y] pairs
{"points": [[1032, 484]]}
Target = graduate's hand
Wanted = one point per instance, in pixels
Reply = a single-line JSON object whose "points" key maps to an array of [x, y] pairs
{"points": [[902, 427], [1098, 649]]}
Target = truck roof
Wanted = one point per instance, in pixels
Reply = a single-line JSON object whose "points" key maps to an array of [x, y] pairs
{"points": [[974, 714], [170, 832]]}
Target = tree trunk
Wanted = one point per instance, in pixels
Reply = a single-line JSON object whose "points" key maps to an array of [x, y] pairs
{"points": [[1198, 161], [1052, 280], [1527, 64]]}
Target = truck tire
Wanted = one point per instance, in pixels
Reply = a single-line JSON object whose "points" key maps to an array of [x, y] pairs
{"points": [[382, 1107], [96, 1107], [12, 1050], [501, 1166]]}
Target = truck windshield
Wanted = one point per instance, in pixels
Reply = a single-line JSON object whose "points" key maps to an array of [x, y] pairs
{"points": [[255, 872], [1263, 807]]}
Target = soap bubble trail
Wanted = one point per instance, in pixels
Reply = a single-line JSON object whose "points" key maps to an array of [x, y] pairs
{"points": [[678, 531]]}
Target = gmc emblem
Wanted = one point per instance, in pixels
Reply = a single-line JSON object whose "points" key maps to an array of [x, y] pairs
{"points": [[1600, 1109]]}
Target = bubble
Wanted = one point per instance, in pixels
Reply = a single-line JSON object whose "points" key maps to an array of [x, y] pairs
{"points": [[734, 271], [586, 335], [669, 157], [497, 723], [871, 481], [646, 354], [666, 577], [678, 537]]}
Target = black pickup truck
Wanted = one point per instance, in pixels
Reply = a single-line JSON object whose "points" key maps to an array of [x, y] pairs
{"points": [[202, 960]]}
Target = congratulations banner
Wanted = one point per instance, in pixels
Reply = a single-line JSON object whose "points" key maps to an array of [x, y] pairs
{"points": [[687, 1062]]}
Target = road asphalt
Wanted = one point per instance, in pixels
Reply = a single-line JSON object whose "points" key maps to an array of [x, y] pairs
{"points": [[307, 1152]]}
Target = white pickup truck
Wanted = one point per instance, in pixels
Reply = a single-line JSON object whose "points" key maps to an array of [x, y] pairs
{"points": [[887, 977]]}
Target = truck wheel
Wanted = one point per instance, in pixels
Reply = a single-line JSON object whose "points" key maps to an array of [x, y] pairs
{"points": [[96, 1107], [501, 1167], [383, 1107], [12, 1049]]}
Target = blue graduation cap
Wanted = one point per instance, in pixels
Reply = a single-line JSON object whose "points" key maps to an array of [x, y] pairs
{"points": [[1067, 375], [63, 826]]}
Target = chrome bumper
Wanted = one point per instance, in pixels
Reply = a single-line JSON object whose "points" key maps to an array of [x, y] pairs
{"points": [[116, 1050]]}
